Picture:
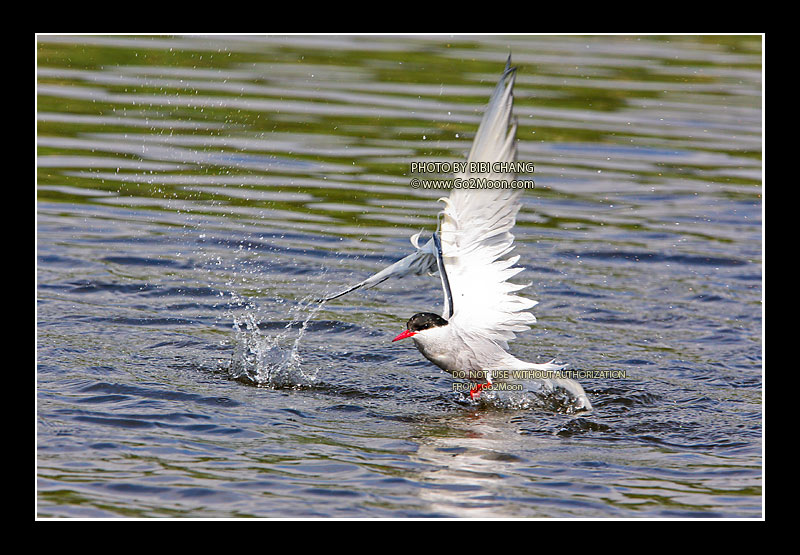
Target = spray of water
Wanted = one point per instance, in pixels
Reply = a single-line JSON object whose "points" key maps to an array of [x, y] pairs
{"points": [[531, 395], [272, 359]]}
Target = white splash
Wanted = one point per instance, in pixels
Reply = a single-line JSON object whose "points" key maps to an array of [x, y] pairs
{"points": [[272, 360]]}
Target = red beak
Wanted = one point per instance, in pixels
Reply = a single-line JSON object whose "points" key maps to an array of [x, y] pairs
{"points": [[407, 333]]}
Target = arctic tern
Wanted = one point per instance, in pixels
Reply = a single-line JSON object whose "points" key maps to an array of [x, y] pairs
{"points": [[481, 311]]}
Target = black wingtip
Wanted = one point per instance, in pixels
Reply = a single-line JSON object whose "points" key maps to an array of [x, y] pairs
{"points": [[448, 294], [509, 68], [337, 295]]}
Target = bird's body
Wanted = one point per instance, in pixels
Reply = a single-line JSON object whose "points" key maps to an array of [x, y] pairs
{"points": [[482, 311], [484, 362]]}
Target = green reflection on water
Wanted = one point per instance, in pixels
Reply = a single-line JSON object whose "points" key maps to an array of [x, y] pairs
{"points": [[606, 84]]}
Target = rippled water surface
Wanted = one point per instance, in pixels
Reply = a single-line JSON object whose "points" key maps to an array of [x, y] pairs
{"points": [[195, 194]]}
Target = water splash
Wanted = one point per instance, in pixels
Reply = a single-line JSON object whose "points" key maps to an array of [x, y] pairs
{"points": [[272, 360], [531, 395]]}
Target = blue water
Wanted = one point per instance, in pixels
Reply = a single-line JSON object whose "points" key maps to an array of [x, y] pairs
{"points": [[195, 194]]}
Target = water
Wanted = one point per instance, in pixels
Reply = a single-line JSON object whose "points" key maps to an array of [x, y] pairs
{"points": [[195, 194]]}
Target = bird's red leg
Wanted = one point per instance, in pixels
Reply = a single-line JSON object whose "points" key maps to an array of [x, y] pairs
{"points": [[475, 392]]}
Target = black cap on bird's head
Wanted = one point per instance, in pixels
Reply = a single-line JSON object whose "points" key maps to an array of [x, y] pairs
{"points": [[420, 322]]}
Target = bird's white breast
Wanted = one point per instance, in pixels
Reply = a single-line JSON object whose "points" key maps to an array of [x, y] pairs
{"points": [[443, 347]]}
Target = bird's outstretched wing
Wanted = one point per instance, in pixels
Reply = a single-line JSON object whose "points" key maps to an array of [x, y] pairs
{"points": [[475, 233], [422, 260], [493, 211]]}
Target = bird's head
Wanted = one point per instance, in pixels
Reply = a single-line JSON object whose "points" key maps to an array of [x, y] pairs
{"points": [[421, 322]]}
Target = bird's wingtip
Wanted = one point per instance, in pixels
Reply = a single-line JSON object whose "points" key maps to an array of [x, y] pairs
{"points": [[509, 68]]}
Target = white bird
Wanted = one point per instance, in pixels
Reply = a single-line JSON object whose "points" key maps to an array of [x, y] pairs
{"points": [[481, 310]]}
